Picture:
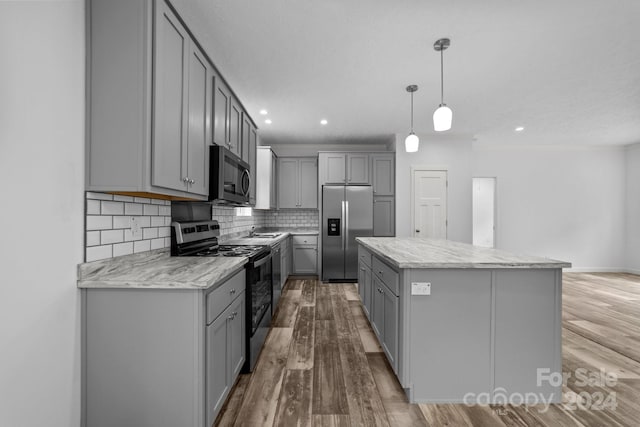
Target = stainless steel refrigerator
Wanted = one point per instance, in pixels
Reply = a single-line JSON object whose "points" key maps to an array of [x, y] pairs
{"points": [[347, 213]]}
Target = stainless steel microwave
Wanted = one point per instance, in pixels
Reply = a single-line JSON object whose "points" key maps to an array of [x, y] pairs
{"points": [[229, 177]]}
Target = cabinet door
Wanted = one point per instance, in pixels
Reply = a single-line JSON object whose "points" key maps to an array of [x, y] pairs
{"points": [[377, 309], [235, 128], [384, 222], [368, 291], [288, 185], [273, 197], [308, 179], [218, 381], [390, 326], [357, 169], [253, 144], [199, 125], [236, 336], [245, 136], [383, 174], [221, 108], [169, 164], [305, 259], [335, 168], [361, 270]]}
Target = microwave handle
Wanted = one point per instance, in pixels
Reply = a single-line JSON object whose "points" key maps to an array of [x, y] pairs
{"points": [[245, 192]]}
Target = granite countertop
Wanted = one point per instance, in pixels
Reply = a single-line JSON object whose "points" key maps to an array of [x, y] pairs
{"points": [[285, 232], [415, 252], [158, 270]]}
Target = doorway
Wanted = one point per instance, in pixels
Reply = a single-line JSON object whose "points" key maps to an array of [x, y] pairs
{"points": [[429, 203], [484, 212]]}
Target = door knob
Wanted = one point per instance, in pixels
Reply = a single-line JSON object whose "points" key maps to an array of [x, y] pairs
{"points": [[417, 231]]}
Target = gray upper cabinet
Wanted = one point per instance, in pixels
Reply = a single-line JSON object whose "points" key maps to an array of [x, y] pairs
{"points": [[383, 174], [221, 108], [297, 183], [357, 168], [154, 103], [344, 168], [235, 127], [253, 161], [182, 107], [335, 167]]}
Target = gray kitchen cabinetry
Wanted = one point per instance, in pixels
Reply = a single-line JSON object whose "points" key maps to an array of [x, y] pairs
{"points": [[266, 177], [384, 222], [250, 137], [384, 310], [344, 168], [305, 254], [297, 183], [149, 106], [383, 175], [285, 260], [235, 127], [227, 118], [365, 280], [161, 357]]}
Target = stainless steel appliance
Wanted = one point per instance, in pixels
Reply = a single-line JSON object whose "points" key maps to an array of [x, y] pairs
{"points": [[347, 213], [229, 177], [200, 238]]}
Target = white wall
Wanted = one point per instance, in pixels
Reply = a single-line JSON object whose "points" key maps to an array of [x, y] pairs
{"points": [[455, 156], [633, 208], [41, 182], [563, 203]]}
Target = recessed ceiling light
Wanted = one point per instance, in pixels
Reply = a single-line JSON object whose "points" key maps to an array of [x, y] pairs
{"points": [[323, 122], [268, 121], [519, 129], [263, 112]]}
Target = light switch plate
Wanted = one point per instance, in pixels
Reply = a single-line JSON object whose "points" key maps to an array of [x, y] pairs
{"points": [[135, 228], [420, 288]]}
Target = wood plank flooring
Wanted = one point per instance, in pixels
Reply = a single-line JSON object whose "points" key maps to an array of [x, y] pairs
{"points": [[322, 365]]}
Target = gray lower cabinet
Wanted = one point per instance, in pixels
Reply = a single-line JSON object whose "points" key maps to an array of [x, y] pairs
{"points": [[384, 309], [305, 254], [365, 284], [384, 216], [161, 357], [225, 355]]}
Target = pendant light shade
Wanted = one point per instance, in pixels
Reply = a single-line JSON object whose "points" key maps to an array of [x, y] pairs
{"points": [[412, 142], [443, 116]]}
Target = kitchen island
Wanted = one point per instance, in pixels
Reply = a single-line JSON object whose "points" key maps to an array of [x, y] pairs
{"points": [[464, 324]]}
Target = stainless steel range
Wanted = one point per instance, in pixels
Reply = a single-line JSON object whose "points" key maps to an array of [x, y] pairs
{"points": [[200, 238]]}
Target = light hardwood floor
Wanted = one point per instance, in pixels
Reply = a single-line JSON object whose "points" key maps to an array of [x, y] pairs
{"points": [[322, 366]]}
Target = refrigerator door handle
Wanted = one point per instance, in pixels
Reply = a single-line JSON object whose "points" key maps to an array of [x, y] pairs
{"points": [[342, 225], [346, 226]]}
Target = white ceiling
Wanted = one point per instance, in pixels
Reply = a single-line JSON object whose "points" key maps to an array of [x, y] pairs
{"points": [[566, 70]]}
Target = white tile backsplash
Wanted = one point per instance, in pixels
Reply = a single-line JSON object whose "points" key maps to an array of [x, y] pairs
{"points": [[108, 225]]}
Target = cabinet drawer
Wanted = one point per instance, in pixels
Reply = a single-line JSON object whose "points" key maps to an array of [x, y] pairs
{"points": [[305, 240], [388, 275], [364, 256], [220, 298]]}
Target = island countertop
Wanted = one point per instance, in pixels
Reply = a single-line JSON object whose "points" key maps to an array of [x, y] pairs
{"points": [[158, 270], [415, 252]]}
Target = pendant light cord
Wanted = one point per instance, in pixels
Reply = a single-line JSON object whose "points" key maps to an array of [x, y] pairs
{"points": [[441, 78], [411, 112]]}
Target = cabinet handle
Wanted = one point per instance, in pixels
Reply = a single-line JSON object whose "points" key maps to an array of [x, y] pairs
{"points": [[233, 291], [192, 181], [185, 179], [381, 273], [362, 269]]}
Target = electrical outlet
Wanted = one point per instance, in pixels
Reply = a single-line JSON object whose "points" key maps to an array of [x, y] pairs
{"points": [[135, 228], [420, 288]]}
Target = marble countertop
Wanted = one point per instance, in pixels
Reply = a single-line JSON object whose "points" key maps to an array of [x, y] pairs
{"points": [[158, 270], [414, 252], [285, 232]]}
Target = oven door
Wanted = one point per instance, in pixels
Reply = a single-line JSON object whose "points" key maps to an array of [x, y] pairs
{"points": [[229, 177], [259, 288]]}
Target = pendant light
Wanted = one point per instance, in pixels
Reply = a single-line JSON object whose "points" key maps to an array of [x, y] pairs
{"points": [[443, 115], [412, 141]]}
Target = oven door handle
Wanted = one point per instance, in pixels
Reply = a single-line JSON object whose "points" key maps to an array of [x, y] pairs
{"points": [[262, 261]]}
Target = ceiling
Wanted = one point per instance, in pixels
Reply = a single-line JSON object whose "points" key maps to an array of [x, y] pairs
{"points": [[568, 71]]}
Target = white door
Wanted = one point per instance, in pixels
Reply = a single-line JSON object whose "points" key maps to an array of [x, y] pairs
{"points": [[430, 204], [484, 211]]}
